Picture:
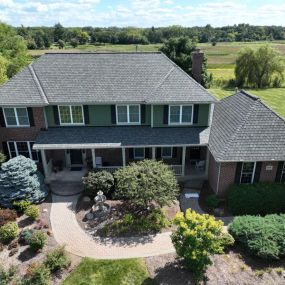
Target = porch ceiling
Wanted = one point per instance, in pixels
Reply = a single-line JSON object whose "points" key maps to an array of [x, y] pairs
{"points": [[116, 137]]}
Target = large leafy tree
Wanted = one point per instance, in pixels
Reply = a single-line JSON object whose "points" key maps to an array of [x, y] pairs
{"points": [[179, 50], [146, 182], [20, 180], [259, 68]]}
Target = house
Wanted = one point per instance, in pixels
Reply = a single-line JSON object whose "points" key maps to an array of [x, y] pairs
{"points": [[74, 111]]}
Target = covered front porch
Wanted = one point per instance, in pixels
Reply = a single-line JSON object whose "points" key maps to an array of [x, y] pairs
{"points": [[69, 153]]}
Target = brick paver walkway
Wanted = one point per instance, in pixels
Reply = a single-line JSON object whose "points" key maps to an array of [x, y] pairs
{"points": [[67, 231]]}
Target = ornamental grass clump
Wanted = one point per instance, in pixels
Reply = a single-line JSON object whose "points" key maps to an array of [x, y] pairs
{"points": [[196, 238], [37, 240], [57, 259]]}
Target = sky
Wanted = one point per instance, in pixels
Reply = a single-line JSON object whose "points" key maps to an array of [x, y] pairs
{"points": [[141, 13]]}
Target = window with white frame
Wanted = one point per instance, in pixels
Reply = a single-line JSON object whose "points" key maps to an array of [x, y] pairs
{"points": [[247, 172], [128, 114], [180, 114], [139, 153], [283, 173], [16, 117], [71, 115], [166, 152], [22, 148]]}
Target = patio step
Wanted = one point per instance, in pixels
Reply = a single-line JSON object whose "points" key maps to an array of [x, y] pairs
{"points": [[66, 188]]}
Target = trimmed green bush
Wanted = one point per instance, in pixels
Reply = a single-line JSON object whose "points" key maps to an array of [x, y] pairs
{"points": [[2, 158], [37, 274], [261, 236], [26, 234], [256, 199], [32, 211], [213, 201], [57, 259], [226, 239], [7, 215], [38, 240], [8, 232], [21, 206], [7, 276]]}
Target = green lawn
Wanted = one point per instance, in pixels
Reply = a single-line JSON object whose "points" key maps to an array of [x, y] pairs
{"points": [[273, 97], [109, 272]]}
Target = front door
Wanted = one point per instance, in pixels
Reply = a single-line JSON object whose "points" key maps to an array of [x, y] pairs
{"points": [[76, 157]]}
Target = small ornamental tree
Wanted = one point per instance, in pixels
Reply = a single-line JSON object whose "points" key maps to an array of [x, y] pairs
{"points": [[146, 182], [96, 181], [20, 180], [196, 238]]}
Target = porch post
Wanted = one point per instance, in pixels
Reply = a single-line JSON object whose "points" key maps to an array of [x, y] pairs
{"points": [[153, 152], [44, 160], [183, 160], [124, 156], [207, 162], [93, 158]]}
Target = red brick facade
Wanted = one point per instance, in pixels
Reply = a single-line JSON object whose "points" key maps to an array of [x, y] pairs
{"points": [[24, 134], [227, 177]]}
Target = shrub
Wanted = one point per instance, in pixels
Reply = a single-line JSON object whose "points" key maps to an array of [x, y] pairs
{"points": [[57, 259], [6, 216], [2, 158], [96, 181], [213, 201], [257, 199], [32, 211], [26, 234], [20, 180], [226, 239], [21, 206], [261, 236], [37, 274], [7, 276], [145, 182], [37, 240], [9, 231], [196, 238]]}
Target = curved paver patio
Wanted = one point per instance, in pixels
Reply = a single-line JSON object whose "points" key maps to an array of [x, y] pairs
{"points": [[67, 231]]}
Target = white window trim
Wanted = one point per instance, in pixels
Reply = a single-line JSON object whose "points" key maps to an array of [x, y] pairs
{"points": [[16, 148], [167, 157], [71, 116], [253, 173], [128, 114], [16, 116], [139, 157], [180, 115]]}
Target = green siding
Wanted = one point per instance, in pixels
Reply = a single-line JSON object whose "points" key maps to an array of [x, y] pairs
{"points": [[203, 115], [99, 115]]}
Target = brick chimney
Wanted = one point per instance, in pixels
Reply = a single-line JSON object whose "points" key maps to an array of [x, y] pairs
{"points": [[197, 64]]}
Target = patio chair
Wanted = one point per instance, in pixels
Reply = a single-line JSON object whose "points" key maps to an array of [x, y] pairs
{"points": [[200, 164]]}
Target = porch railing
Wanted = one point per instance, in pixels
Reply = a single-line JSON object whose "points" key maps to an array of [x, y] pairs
{"points": [[110, 169], [177, 169]]}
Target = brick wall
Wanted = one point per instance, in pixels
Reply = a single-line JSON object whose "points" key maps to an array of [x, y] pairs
{"points": [[227, 177], [24, 134], [268, 175]]}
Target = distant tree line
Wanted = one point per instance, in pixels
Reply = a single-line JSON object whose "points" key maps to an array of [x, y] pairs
{"points": [[44, 37]]}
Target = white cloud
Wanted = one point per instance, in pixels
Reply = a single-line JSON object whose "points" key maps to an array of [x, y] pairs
{"points": [[143, 13]]}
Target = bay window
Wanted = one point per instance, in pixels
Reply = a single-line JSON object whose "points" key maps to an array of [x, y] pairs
{"points": [[128, 114], [71, 115], [16, 117], [180, 114], [247, 172]]}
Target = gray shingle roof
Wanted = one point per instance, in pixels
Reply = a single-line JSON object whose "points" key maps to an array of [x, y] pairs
{"points": [[120, 136], [245, 129], [104, 78]]}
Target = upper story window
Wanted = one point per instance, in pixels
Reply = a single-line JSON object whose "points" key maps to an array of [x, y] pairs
{"points": [[128, 114], [247, 172], [166, 152], [71, 115], [22, 148], [180, 114], [16, 117]]}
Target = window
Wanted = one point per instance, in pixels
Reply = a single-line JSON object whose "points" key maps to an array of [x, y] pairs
{"points": [[139, 153], [166, 152], [128, 114], [22, 148], [283, 173], [71, 115], [16, 117], [247, 173], [181, 114]]}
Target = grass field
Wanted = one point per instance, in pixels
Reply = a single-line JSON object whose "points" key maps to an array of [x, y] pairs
{"points": [[109, 272]]}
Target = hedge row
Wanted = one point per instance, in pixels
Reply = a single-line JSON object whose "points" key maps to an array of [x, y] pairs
{"points": [[257, 199], [261, 236]]}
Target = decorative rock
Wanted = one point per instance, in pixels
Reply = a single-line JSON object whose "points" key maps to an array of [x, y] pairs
{"points": [[13, 244], [89, 216], [13, 251], [86, 199], [45, 210], [49, 233]]}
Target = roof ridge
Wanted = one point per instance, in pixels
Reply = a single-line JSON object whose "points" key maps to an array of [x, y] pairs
{"points": [[164, 78], [38, 84], [239, 128], [103, 52]]}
